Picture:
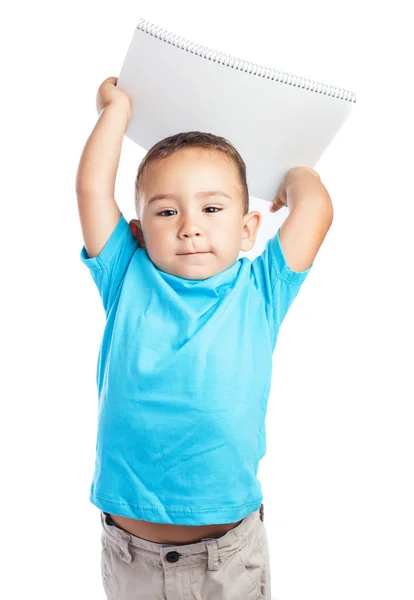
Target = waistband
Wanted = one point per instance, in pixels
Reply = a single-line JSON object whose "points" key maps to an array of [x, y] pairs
{"points": [[212, 550]]}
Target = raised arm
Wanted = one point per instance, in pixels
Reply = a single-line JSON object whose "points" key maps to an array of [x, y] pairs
{"points": [[98, 166], [310, 216]]}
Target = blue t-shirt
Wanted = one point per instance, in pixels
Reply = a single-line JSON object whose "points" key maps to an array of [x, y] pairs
{"points": [[183, 376]]}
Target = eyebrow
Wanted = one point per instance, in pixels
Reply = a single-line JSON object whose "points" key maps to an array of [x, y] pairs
{"points": [[199, 195]]}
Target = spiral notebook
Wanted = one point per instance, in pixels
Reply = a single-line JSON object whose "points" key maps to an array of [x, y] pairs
{"points": [[275, 120]]}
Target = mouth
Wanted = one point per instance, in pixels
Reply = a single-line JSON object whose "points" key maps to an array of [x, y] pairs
{"points": [[192, 253]]}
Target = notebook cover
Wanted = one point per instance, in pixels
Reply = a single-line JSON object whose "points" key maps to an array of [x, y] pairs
{"points": [[275, 120]]}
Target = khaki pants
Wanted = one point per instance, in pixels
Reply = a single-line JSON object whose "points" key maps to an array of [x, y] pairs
{"points": [[232, 567]]}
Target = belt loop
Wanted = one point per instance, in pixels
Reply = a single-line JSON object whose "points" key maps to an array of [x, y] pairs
{"points": [[124, 552], [213, 559], [262, 512]]}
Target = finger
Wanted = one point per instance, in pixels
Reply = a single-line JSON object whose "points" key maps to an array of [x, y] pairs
{"points": [[275, 205], [112, 80]]}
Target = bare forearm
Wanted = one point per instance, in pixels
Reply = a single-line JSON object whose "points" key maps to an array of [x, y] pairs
{"points": [[99, 162]]}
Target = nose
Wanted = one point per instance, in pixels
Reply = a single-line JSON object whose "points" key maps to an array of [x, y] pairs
{"points": [[189, 229]]}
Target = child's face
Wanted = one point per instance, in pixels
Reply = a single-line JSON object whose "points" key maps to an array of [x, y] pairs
{"points": [[189, 222]]}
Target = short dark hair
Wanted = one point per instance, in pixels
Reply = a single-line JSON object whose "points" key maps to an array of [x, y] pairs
{"points": [[193, 139]]}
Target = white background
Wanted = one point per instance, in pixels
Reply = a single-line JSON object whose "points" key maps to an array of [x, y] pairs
{"points": [[338, 474]]}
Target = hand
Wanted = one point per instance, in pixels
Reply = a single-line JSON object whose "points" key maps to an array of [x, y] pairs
{"points": [[281, 196], [109, 94]]}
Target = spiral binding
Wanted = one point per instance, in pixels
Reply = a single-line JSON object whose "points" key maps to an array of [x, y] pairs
{"points": [[244, 65]]}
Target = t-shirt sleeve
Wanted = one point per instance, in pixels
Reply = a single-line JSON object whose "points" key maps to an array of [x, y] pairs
{"points": [[109, 267], [274, 279]]}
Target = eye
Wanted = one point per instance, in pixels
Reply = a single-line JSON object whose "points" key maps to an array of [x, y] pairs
{"points": [[170, 210]]}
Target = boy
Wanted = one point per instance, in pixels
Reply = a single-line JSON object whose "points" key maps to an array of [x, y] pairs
{"points": [[185, 364]]}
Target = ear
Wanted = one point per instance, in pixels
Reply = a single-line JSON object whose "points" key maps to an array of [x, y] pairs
{"points": [[133, 227], [136, 230], [252, 223]]}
